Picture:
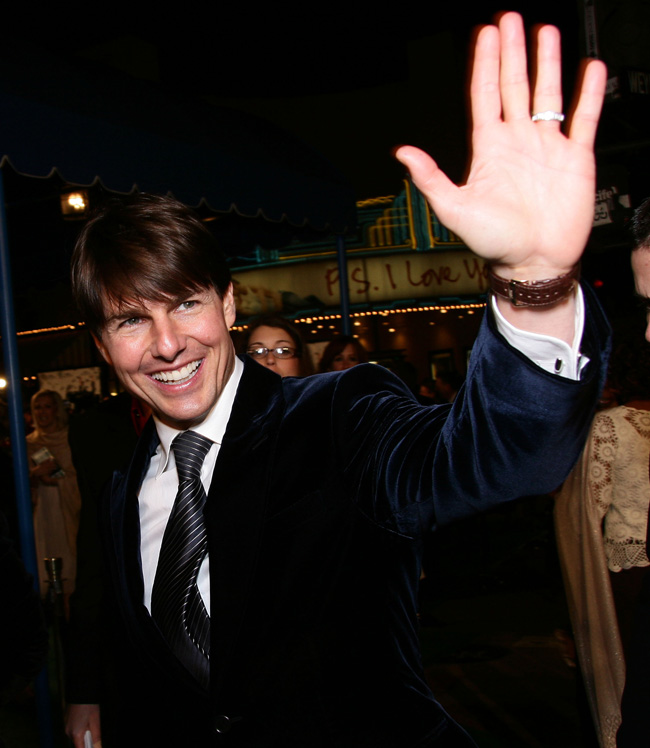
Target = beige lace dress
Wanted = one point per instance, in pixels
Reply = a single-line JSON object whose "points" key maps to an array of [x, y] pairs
{"points": [[601, 516]]}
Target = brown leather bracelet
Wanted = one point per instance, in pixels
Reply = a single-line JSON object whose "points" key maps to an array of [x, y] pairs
{"points": [[535, 293]]}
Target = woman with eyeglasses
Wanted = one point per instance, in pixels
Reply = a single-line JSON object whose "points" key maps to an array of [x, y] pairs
{"points": [[274, 342]]}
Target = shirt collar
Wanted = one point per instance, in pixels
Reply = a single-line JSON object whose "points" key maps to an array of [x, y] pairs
{"points": [[214, 424]]}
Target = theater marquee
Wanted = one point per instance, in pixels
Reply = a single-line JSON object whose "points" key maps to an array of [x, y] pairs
{"points": [[383, 278]]}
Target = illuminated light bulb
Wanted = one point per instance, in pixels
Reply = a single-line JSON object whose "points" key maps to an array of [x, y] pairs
{"points": [[76, 201]]}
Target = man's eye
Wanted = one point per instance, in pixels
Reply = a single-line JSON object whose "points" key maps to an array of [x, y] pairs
{"points": [[188, 304], [130, 322]]}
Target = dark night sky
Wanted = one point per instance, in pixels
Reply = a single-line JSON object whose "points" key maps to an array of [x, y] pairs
{"points": [[350, 81]]}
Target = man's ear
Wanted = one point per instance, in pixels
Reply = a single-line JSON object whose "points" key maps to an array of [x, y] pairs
{"points": [[229, 309], [102, 349]]}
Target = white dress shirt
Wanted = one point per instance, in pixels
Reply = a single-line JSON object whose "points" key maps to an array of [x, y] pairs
{"points": [[158, 491], [549, 353]]}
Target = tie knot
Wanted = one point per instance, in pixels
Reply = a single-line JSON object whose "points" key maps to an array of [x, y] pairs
{"points": [[190, 450]]}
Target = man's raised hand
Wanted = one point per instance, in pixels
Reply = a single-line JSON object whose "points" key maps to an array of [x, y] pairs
{"points": [[527, 205]]}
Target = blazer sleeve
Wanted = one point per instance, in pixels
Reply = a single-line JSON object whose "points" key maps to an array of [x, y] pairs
{"points": [[514, 430]]}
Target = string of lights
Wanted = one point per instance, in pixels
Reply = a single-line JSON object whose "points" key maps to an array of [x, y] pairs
{"points": [[44, 330], [316, 321], [320, 318]]}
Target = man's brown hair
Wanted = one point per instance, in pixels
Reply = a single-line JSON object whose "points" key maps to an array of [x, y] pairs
{"points": [[143, 248]]}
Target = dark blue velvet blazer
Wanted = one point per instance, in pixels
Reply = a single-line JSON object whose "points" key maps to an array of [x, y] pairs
{"points": [[322, 492]]}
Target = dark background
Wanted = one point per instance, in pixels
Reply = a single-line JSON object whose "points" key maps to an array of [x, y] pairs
{"points": [[353, 81]]}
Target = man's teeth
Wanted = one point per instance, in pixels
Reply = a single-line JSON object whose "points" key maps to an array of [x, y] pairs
{"points": [[178, 375]]}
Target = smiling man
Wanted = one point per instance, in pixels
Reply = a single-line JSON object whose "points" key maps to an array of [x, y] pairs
{"points": [[263, 547], [175, 355], [161, 323]]}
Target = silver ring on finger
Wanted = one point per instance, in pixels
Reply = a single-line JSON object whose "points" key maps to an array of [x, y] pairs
{"points": [[548, 116]]}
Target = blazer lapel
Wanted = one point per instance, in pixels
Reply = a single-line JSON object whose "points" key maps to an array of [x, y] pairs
{"points": [[236, 507], [123, 517]]}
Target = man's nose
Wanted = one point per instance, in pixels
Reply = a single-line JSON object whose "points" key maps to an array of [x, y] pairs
{"points": [[168, 341]]}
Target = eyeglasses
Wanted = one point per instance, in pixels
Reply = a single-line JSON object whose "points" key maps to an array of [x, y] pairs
{"points": [[281, 352]]}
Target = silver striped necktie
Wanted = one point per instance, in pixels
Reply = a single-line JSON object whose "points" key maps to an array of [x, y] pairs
{"points": [[176, 604]]}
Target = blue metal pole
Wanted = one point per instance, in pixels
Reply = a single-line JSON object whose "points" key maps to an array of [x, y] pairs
{"points": [[343, 285], [19, 451]]}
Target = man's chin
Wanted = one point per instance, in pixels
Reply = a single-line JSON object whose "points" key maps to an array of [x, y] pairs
{"points": [[179, 421]]}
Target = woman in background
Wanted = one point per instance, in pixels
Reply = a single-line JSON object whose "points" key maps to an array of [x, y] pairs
{"points": [[601, 517], [343, 352], [55, 494], [274, 342]]}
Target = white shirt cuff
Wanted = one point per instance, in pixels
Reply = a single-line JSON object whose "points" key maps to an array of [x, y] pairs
{"points": [[551, 354]]}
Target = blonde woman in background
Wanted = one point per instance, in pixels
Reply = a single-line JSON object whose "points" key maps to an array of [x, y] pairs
{"points": [[55, 494]]}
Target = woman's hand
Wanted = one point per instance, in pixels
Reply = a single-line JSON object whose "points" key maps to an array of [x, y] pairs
{"points": [[43, 472]]}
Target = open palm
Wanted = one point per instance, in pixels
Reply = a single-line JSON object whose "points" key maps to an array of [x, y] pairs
{"points": [[527, 205]]}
